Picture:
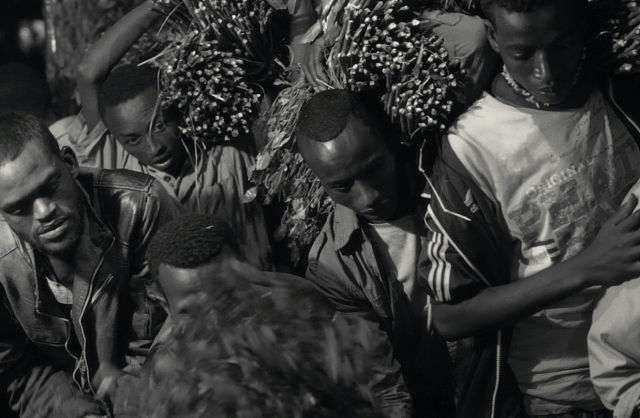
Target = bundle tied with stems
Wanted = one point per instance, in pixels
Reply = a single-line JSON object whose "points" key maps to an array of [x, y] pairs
{"points": [[219, 54], [373, 46], [616, 36], [249, 355]]}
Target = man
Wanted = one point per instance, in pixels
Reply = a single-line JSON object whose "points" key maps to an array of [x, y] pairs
{"points": [[122, 125], [365, 258], [525, 217], [75, 309], [614, 353], [196, 262]]}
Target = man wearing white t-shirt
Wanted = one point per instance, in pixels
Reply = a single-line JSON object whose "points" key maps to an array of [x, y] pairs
{"points": [[365, 259], [525, 216]]}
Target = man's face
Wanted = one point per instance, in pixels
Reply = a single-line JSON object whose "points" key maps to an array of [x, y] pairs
{"points": [[357, 170], [542, 49], [146, 132], [40, 200]]}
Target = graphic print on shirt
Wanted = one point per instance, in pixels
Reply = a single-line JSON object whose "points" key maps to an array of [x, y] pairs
{"points": [[561, 214]]}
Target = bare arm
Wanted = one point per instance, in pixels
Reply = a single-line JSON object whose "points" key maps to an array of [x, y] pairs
{"points": [[106, 52], [611, 259]]}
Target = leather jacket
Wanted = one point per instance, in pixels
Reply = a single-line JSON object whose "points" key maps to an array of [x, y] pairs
{"points": [[113, 318]]}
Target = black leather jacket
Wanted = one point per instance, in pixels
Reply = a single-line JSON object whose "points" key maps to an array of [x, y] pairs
{"points": [[42, 351]]}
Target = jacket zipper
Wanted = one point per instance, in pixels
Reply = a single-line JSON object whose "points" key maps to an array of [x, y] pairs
{"points": [[499, 336], [498, 369], [84, 308]]}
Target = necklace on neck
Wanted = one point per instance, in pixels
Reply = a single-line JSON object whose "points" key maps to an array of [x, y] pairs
{"points": [[528, 97]]}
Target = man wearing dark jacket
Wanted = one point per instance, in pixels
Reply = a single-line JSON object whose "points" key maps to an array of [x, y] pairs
{"points": [[75, 304], [525, 217], [365, 259]]}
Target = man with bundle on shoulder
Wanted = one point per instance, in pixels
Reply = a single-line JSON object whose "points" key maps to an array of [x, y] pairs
{"points": [[365, 259], [123, 124]]}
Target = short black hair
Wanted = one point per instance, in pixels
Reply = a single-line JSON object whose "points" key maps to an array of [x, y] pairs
{"points": [[24, 89], [325, 115], [126, 82], [19, 128], [522, 6], [189, 242]]}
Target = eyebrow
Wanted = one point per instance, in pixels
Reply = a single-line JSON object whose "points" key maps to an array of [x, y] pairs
{"points": [[54, 175]]}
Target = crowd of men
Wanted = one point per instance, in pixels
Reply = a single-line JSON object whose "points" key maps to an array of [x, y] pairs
{"points": [[497, 273]]}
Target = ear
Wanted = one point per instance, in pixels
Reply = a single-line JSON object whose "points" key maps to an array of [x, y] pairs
{"points": [[69, 158], [491, 35]]}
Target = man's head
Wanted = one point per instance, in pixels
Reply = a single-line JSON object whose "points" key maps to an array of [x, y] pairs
{"points": [[39, 198], [541, 43], [24, 89], [189, 253], [130, 109], [347, 147]]}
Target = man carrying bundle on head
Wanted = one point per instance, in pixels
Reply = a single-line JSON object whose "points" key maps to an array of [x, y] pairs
{"points": [[525, 218], [123, 125], [77, 310], [366, 257]]}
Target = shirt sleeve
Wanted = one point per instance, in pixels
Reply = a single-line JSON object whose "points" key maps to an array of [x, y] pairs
{"points": [[94, 148], [442, 267], [614, 354]]}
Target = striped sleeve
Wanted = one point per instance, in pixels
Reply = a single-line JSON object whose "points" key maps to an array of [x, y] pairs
{"points": [[448, 277]]}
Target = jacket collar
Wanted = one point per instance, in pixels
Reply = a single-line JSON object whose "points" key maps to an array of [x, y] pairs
{"points": [[99, 240], [344, 225]]}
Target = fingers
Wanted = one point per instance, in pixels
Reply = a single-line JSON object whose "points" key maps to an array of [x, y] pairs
{"points": [[625, 210], [631, 222], [313, 68]]}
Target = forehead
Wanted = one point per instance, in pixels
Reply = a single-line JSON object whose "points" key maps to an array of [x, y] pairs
{"points": [[35, 164], [348, 153], [549, 20], [134, 114]]}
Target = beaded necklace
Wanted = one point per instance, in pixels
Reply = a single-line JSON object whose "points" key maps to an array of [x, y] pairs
{"points": [[526, 94]]}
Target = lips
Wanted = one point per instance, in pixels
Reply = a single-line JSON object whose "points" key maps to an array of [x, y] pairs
{"points": [[54, 230], [162, 161]]}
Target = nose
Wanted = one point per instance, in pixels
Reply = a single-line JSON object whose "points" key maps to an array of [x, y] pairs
{"points": [[367, 195], [43, 209], [544, 68], [154, 146]]}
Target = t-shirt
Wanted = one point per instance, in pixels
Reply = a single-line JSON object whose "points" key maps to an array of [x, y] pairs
{"points": [[397, 245], [556, 177], [218, 186]]}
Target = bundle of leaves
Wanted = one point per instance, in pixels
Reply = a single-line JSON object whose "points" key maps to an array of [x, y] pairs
{"points": [[254, 351], [281, 174], [214, 65], [374, 46], [616, 36]]}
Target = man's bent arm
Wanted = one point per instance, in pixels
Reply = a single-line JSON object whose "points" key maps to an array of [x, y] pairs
{"points": [[609, 260], [100, 58]]}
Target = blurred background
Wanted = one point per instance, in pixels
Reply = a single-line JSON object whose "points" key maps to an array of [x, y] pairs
{"points": [[50, 36]]}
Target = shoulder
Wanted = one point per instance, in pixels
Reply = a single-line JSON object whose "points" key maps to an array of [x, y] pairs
{"points": [[120, 189], [7, 239]]}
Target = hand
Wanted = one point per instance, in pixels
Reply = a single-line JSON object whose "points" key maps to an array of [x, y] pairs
{"points": [[312, 66], [614, 255]]}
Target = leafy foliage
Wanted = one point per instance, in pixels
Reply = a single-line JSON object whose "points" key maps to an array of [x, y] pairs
{"points": [[250, 354]]}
